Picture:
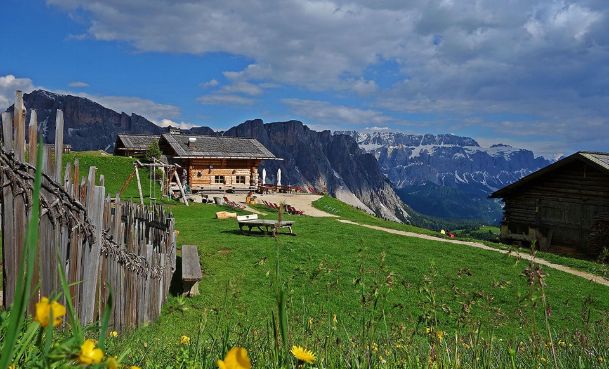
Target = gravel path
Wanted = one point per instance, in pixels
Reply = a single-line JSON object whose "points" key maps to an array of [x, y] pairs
{"points": [[525, 256], [302, 202]]}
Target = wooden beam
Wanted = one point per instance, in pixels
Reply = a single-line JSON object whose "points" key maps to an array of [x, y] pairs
{"points": [[139, 184], [175, 173]]}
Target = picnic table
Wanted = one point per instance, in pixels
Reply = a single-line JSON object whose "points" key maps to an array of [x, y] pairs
{"points": [[265, 225]]}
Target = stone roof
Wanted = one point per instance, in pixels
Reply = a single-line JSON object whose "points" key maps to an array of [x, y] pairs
{"points": [[599, 159], [137, 142], [217, 147]]}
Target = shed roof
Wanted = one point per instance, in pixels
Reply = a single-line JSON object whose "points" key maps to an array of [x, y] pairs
{"points": [[217, 147], [598, 159], [136, 142]]}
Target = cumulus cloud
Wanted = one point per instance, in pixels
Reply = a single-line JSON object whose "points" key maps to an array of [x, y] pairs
{"points": [[223, 99], [242, 88], [546, 59], [181, 125], [210, 84], [8, 85], [323, 112], [78, 84]]}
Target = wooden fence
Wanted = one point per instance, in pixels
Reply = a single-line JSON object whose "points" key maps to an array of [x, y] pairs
{"points": [[102, 243]]}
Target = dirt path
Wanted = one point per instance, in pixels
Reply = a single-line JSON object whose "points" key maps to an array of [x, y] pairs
{"points": [[525, 256], [302, 202]]}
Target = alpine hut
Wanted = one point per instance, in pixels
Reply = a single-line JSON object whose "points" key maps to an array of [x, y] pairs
{"points": [[563, 207], [215, 163]]}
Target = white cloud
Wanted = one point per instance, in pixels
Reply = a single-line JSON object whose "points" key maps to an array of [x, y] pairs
{"points": [[9, 84], [242, 88], [541, 58], [78, 84], [323, 112], [222, 99], [181, 125], [210, 84]]}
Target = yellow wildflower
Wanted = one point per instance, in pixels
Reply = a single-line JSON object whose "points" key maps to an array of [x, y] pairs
{"points": [[374, 347], [89, 354], [440, 335], [236, 358], [303, 354], [114, 334], [44, 309], [134, 367], [427, 330], [185, 340], [111, 363]]}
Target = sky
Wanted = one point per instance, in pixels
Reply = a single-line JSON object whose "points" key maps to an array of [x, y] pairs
{"points": [[531, 73]]}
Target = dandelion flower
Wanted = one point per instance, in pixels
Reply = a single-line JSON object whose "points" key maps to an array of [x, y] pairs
{"points": [[44, 307], [114, 334], [134, 367], [185, 340], [303, 354], [236, 358], [89, 354], [111, 363]]}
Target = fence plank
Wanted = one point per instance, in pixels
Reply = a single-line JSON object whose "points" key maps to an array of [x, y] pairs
{"points": [[33, 137], [96, 239], [58, 144], [7, 131], [19, 122]]}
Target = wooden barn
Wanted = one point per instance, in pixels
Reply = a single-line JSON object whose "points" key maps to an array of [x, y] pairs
{"points": [[133, 145], [564, 207], [216, 162]]}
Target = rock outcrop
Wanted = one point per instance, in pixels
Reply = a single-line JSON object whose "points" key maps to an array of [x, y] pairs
{"points": [[326, 161]]}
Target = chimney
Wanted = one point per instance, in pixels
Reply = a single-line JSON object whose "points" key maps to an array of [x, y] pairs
{"points": [[191, 140]]}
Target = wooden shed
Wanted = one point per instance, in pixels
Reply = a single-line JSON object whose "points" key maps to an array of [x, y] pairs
{"points": [[564, 207], [133, 145], [216, 162]]}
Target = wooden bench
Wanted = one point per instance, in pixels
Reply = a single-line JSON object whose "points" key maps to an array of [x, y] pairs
{"points": [[191, 270]]}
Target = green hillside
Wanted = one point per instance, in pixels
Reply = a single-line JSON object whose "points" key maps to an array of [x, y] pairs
{"points": [[355, 295]]}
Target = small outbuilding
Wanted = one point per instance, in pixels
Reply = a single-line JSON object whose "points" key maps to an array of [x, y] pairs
{"points": [[563, 207], [133, 145]]}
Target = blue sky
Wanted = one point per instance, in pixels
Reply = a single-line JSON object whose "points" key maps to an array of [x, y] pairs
{"points": [[530, 73]]}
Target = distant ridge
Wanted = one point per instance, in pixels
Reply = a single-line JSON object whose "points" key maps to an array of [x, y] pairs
{"points": [[318, 159]]}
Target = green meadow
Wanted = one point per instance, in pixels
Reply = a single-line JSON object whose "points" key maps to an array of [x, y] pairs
{"points": [[359, 298]]}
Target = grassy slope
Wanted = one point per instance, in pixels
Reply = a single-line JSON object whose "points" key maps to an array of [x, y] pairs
{"points": [[322, 265], [354, 273], [116, 170], [346, 211]]}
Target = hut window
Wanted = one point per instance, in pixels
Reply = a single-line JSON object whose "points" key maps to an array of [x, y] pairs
{"points": [[218, 179], [240, 179], [199, 174]]}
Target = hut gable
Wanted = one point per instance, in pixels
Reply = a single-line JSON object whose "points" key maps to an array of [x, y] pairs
{"points": [[563, 207], [597, 160], [215, 147]]}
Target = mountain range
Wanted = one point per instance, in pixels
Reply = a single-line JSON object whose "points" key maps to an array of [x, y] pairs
{"points": [[448, 176], [443, 176], [332, 163]]}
